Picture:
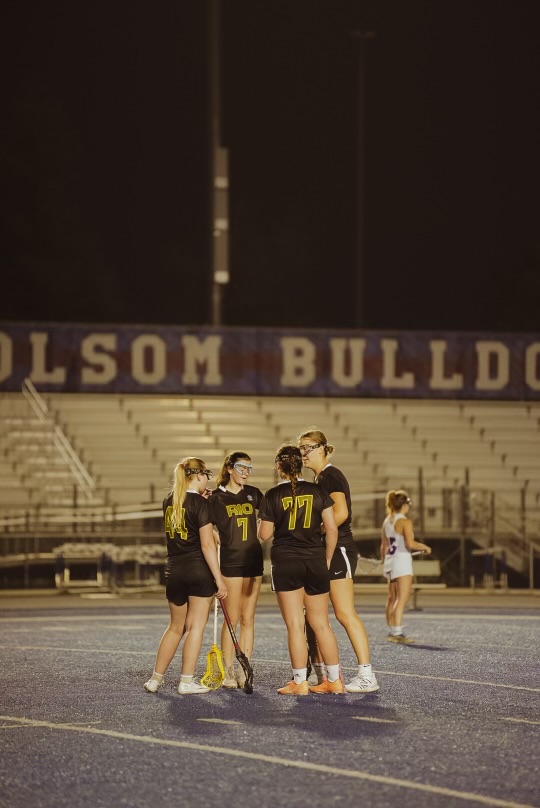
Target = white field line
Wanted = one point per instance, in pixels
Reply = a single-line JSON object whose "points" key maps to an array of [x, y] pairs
{"points": [[421, 676], [267, 661], [90, 617], [456, 642], [460, 681], [478, 616], [519, 720], [86, 617], [108, 651], [466, 796]]}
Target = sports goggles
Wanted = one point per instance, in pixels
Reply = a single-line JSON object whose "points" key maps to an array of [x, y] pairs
{"points": [[190, 471], [306, 448], [242, 468]]}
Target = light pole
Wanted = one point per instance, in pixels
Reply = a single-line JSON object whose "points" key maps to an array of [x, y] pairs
{"points": [[361, 38], [219, 173]]}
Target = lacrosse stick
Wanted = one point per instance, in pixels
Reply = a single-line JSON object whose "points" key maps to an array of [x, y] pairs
{"points": [[367, 563], [215, 673], [311, 644], [241, 657]]}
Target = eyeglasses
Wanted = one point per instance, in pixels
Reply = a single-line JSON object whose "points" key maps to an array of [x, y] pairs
{"points": [[306, 448], [209, 474], [242, 468]]}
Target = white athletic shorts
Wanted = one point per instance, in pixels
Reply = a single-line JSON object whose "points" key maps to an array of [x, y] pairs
{"points": [[397, 565]]}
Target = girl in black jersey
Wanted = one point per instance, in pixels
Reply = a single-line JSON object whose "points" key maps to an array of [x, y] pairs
{"points": [[192, 574], [233, 507], [315, 452], [292, 513]]}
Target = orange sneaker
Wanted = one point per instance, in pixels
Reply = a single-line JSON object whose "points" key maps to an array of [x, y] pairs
{"points": [[328, 687], [292, 689]]}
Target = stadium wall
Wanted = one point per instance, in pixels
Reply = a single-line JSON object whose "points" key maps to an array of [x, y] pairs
{"points": [[269, 362]]}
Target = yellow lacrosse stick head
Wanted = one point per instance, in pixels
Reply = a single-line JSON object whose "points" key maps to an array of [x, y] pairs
{"points": [[215, 672]]}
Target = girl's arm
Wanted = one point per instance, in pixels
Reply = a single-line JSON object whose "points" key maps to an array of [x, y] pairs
{"points": [[384, 544], [331, 529], [341, 511], [266, 530], [209, 549], [408, 534]]}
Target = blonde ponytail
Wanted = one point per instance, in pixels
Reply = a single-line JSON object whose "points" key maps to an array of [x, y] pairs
{"points": [[182, 472]]}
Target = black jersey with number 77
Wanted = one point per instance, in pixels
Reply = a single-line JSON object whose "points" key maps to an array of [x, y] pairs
{"points": [[297, 520]]}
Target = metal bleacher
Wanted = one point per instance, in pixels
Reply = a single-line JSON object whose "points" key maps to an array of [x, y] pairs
{"points": [[110, 457]]}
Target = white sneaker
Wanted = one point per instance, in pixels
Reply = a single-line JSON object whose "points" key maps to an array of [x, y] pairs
{"points": [[187, 688], [363, 684], [152, 685], [240, 677], [230, 678], [400, 638]]}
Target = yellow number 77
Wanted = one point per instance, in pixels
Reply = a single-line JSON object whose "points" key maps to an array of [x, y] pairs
{"points": [[294, 504]]}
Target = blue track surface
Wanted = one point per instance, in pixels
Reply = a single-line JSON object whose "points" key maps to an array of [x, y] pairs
{"points": [[457, 719]]}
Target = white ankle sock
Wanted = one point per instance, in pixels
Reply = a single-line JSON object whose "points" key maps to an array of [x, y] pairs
{"points": [[332, 672], [396, 630], [157, 676], [299, 675], [365, 670], [185, 678]]}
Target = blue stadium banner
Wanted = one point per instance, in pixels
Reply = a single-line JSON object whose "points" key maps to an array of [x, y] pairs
{"points": [[269, 361]]}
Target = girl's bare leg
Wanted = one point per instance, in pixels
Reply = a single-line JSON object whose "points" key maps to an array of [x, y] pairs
{"points": [[404, 589], [248, 602], [342, 597], [197, 617], [234, 597], [317, 616], [291, 605], [170, 640], [391, 602]]}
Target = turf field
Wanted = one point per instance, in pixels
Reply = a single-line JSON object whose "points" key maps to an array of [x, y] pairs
{"points": [[456, 722]]}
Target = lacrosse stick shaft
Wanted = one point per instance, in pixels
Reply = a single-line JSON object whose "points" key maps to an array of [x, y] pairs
{"points": [[229, 625], [215, 621], [215, 603], [241, 657]]}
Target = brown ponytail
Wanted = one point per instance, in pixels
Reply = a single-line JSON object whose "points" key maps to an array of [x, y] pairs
{"points": [[395, 500]]}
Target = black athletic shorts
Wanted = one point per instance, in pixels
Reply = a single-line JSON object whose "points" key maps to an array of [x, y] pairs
{"points": [[253, 570], [343, 564], [187, 576], [290, 573]]}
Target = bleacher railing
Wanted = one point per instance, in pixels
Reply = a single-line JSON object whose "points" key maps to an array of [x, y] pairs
{"points": [[83, 480], [461, 513]]}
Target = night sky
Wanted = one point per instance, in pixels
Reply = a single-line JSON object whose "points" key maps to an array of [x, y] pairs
{"points": [[104, 163]]}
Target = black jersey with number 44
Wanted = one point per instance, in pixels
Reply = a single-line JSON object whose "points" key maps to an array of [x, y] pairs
{"points": [[185, 538], [297, 520]]}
